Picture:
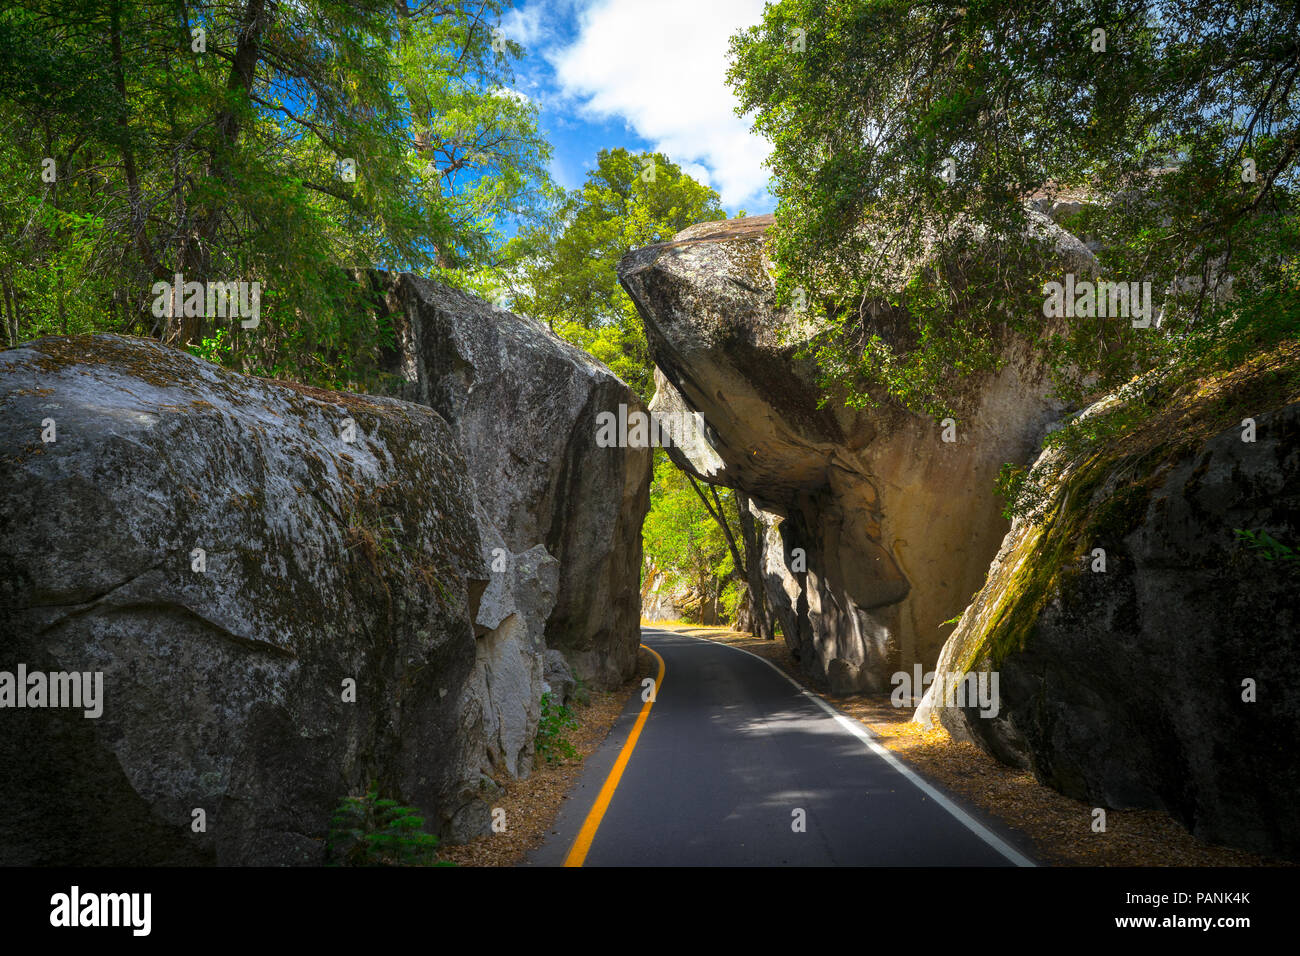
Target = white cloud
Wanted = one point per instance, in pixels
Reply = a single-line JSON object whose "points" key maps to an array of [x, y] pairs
{"points": [[508, 93], [661, 67], [526, 25]]}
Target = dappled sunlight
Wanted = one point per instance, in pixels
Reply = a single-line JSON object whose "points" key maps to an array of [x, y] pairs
{"points": [[1055, 823]]}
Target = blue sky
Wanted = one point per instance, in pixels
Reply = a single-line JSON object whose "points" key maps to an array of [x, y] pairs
{"points": [[641, 74]]}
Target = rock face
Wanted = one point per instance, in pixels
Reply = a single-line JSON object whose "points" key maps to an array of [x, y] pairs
{"points": [[877, 530], [434, 559], [524, 403], [663, 601], [225, 675], [509, 625], [558, 678], [658, 600], [1124, 688]]}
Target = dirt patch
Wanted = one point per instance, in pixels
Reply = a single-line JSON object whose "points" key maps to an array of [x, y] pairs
{"points": [[1059, 827], [532, 805]]}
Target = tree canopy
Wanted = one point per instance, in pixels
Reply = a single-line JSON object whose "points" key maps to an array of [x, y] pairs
{"points": [[567, 274], [253, 141], [909, 134], [683, 538]]}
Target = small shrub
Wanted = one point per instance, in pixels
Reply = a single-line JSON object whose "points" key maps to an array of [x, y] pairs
{"points": [[555, 720], [369, 831], [1010, 486]]}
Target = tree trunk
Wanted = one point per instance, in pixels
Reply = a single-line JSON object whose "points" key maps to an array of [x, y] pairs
{"points": [[196, 248], [134, 201], [759, 614], [749, 568], [10, 310]]}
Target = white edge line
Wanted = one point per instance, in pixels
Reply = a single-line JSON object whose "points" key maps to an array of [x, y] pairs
{"points": [[864, 734]]}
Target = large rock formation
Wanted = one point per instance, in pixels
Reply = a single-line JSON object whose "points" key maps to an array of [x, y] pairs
{"points": [[658, 600], [524, 403], [444, 550], [877, 529], [1125, 684], [339, 545]]}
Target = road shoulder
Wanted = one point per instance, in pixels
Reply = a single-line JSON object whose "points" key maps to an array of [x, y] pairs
{"points": [[534, 806], [552, 843]]}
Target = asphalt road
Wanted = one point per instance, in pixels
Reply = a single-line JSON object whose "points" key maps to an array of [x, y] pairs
{"points": [[729, 753]]}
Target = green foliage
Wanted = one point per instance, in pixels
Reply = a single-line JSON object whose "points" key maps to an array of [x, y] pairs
{"points": [[567, 278], [732, 596], [566, 275], [552, 744], [680, 539], [228, 164], [1010, 485], [370, 831], [920, 280], [1267, 548]]}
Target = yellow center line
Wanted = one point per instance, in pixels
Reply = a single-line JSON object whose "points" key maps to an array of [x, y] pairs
{"points": [[578, 852]]}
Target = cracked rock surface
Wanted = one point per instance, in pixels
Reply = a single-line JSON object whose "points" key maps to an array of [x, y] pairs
{"points": [[323, 561]]}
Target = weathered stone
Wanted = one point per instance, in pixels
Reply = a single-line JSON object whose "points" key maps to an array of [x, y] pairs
{"points": [[658, 600], [1124, 688], [510, 625], [524, 403], [884, 529], [559, 679], [325, 561]]}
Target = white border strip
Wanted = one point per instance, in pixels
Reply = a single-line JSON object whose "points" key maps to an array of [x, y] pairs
{"points": [[857, 729]]}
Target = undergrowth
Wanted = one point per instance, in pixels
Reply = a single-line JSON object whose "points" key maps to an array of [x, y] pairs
{"points": [[552, 744], [370, 831]]}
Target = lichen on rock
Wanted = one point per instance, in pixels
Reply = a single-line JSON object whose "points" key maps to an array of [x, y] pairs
{"points": [[1124, 686], [323, 561]]}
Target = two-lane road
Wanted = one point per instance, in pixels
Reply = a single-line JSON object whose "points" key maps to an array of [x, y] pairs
{"points": [[734, 765]]}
